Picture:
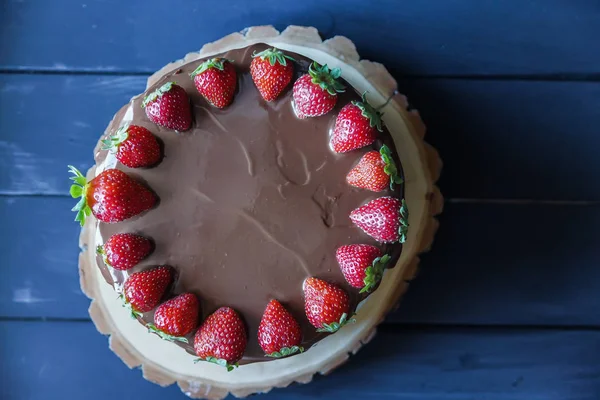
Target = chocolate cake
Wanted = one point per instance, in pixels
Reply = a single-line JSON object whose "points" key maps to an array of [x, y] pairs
{"points": [[254, 213], [252, 200]]}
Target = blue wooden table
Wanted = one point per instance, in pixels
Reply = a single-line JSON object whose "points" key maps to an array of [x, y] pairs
{"points": [[506, 306]]}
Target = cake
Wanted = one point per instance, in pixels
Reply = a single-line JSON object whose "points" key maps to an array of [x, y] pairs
{"points": [[247, 208]]}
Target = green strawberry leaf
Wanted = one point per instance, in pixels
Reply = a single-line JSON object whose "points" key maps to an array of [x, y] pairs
{"points": [[157, 93], [403, 229], [390, 166], [273, 55], [100, 252], [133, 313], [79, 190], [335, 326], [374, 272], [369, 112], [152, 328], [326, 78], [218, 63], [76, 191], [286, 351], [113, 142], [218, 361]]}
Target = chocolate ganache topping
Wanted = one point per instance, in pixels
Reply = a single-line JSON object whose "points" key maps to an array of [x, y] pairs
{"points": [[252, 201]]}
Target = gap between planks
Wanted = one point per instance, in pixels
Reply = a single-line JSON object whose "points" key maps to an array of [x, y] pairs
{"points": [[542, 77], [384, 326]]}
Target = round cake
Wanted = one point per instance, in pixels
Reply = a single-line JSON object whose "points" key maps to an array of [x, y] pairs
{"points": [[257, 210]]}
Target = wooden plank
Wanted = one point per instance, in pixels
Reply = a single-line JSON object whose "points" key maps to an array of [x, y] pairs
{"points": [[51, 121], [40, 275], [73, 361], [509, 264], [497, 139], [490, 264], [435, 37], [527, 140]]}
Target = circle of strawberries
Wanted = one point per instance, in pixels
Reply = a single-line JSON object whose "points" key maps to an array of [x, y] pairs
{"points": [[113, 196]]}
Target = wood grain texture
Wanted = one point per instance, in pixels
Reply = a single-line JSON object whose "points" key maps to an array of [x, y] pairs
{"points": [[509, 271], [498, 139], [50, 121], [416, 364], [427, 37]]}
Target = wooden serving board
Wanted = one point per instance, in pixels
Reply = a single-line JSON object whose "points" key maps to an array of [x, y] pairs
{"points": [[163, 363]]}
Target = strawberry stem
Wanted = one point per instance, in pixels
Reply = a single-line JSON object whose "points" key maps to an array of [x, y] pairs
{"points": [[79, 190], [134, 314], [113, 142], [273, 55], [286, 351], [218, 63], [374, 272], [326, 78], [157, 93], [403, 229], [218, 361], [390, 166], [335, 326], [369, 112], [100, 251], [163, 335]]}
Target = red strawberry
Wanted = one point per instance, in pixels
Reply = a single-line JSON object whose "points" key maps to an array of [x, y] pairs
{"points": [[362, 265], [356, 126], [221, 339], [125, 250], [216, 80], [112, 196], [144, 290], [326, 305], [134, 146], [176, 318], [375, 171], [271, 72], [169, 106], [315, 93], [279, 333], [385, 219]]}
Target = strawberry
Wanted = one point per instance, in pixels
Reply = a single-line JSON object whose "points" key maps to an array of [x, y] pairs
{"points": [[144, 290], [362, 265], [216, 80], [375, 171], [134, 146], [169, 106], [221, 339], [112, 196], [356, 126], [326, 305], [176, 318], [271, 72], [279, 333], [385, 219], [315, 93], [124, 251]]}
